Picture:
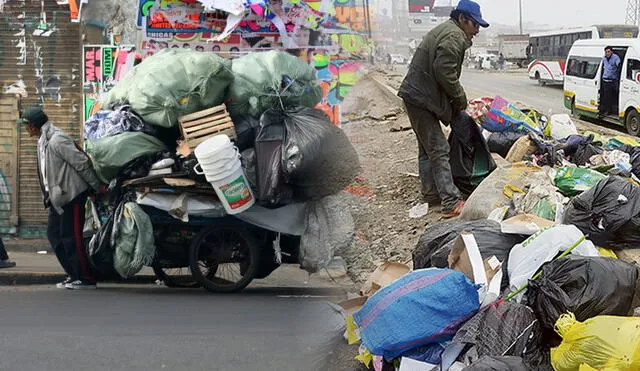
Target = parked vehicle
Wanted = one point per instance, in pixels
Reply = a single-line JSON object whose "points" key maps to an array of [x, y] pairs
{"points": [[583, 81], [514, 48], [548, 50]]}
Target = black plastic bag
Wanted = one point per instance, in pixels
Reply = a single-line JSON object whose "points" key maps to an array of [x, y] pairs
{"points": [[609, 213], [585, 286], [501, 143], [318, 159], [436, 243], [100, 253], [587, 149], [498, 364], [273, 190], [469, 154], [634, 152], [503, 328], [247, 128], [248, 159]]}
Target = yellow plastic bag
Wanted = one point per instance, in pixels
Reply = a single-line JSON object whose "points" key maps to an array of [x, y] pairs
{"points": [[606, 253], [605, 343]]}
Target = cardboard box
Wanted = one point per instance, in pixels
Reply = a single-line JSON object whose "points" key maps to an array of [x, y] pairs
{"points": [[383, 276], [526, 224], [465, 257]]}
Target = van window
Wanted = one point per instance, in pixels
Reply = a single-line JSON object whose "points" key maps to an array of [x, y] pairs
{"points": [[633, 65], [583, 67]]}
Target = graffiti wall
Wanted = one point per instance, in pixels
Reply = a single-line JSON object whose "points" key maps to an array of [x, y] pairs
{"points": [[103, 66], [331, 35]]}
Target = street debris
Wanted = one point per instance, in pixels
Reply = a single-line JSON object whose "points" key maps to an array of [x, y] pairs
{"points": [[419, 211], [532, 259]]}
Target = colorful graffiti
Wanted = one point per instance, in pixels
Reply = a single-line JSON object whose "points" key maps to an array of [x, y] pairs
{"points": [[103, 67], [331, 35]]}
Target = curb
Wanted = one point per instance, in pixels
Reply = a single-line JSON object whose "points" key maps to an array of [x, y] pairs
{"points": [[388, 91], [27, 245], [8, 278]]}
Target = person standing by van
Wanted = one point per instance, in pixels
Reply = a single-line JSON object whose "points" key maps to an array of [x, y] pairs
{"points": [[432, 92], [610, 81]]}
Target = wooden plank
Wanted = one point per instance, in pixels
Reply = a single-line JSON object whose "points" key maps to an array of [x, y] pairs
{"points": [[215, 129], [176, 182], [203, 113], [151, 178], [208, 125], [189, 124], [195, 142]]}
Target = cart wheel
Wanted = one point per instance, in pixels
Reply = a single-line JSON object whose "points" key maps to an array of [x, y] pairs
{"points": [[224, 258], [179, 277]]}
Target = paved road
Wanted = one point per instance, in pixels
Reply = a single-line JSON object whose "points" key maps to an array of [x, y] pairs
{"points": [[517, 87], [154, 328]]}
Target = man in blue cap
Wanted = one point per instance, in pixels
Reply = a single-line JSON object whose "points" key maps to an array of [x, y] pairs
{"points": [[66, 178], [432, 93]]}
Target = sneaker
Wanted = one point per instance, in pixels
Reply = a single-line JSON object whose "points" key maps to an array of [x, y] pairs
{"points": [[455, 212], [62, 285], [80, 285], [7, 264]]}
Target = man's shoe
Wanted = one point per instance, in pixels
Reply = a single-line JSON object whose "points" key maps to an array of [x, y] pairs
{"points": [[455, 212], [7, 264], [80, 285], [62, 285]]}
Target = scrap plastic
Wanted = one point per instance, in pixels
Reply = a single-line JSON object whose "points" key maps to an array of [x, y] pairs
{"points": [[272, 79], [394, 320], [602, 343], [574, 180], [109, 155], [133, 238], [173, 83], [609, 213], [585, 286], [527, 257]]}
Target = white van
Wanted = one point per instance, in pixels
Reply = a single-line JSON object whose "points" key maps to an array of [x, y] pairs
{"points": [[583, 81]]}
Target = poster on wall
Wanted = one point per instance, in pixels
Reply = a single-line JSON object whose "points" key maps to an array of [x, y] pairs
{"points": [[103, 67], [330, 35]]}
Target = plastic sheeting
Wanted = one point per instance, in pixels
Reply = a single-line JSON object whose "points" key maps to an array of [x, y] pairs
{"points": [[329, 227], [526, 258]]}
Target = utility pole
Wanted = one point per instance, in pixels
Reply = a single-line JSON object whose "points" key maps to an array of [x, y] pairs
{"points": [[633, 7], [521, 31]]}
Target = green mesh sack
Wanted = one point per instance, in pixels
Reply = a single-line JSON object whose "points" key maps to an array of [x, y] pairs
{"points": [[171, 84], [271, 79], [108, 155], [134, 241]]}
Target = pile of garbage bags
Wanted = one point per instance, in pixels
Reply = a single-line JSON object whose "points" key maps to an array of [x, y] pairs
{"points": [[528, 278], [291, 154]]}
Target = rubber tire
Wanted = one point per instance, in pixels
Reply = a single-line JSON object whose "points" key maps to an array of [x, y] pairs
{"points": [[254, 255], [574, 113], [633, 116], [540, 82], [162, 276]]}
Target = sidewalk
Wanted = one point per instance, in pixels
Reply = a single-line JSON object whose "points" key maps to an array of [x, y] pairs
{"points": [[43, 269]]}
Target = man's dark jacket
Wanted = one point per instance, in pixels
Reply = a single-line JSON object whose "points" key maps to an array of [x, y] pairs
{"points": [[433, 80]]}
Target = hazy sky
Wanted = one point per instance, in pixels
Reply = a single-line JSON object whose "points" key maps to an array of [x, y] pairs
{"points": [[558, 13], [555, 12]]}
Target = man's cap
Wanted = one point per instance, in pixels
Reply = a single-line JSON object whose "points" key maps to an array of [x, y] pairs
{"points": [[472, 9], [34, 116]]}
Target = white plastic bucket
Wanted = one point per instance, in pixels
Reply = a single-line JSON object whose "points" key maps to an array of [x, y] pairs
{"points": [[219, 162], [211, 146]]}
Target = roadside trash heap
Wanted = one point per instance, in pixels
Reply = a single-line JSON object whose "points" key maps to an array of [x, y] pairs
{"points": [[528, 278], [193, 134]]}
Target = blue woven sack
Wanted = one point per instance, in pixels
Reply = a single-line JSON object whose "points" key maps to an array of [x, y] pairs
{"points": [[425, 306]]}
